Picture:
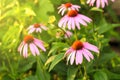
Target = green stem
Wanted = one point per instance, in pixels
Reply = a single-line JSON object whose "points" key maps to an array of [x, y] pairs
{"points": [[76, 34], [85, 73]]}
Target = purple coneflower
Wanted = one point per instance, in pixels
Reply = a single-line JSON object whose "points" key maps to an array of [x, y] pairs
{"points": [[72, 19], [78, 50], [67, 6], [32, 43], [36, 27], [99, 3]]}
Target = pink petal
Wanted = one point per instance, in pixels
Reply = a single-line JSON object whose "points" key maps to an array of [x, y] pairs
{"points": [[89, 53], [21, 46], [103, 3], [25, 49], [86, 55], [72, 57], [31, 30], [79, 19], [63, 11], [69, 51], [39, 44], [44, 27], [35, 48], [30, 27], [77, 24], [69, 24], [73, 23], [68, 58], [65, 22], [98, 3], [79, 57], [60, 23], [85, 18], [32, 49], [90, 47]]}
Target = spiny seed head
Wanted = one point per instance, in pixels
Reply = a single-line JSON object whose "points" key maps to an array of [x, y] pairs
{"points": [[67, 5], [77, 45], [28, 39], [36, 25], [72, 13]]}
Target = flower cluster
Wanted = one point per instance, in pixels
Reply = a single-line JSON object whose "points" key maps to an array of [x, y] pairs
{"points": [[71, 20], [29, 42]]}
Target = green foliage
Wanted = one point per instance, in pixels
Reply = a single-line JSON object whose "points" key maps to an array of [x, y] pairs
{"points": [[17, 15], [100, 75]]}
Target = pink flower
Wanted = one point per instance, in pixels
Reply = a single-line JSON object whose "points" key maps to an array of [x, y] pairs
{"points": [[32, 43], [73, 19], [99, 3], [67, 6], [68, 34], [36, 27], [78, 50]]}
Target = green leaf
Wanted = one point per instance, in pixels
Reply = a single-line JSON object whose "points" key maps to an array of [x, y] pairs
{"points": [[31, 78], [104, 26], [96, 9], [71, 73], [41, 73], [57, 59], [26, 64], [112, 76], [100, 75], [50, 59], [106, 57], [56, 46]]}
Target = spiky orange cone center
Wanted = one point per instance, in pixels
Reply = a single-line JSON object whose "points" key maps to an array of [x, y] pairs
{"points": [[72, 13], [36, 25], [77, 45], [28, 39], [67, 5]]}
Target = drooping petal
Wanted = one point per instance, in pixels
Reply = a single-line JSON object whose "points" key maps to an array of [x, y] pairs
{"points": [[86, 55], [21, 47], [44, 27], [73, 23], [98, 2], [90, 47], [68, 58], [68, 51], [72, 57], [31, 30], [36, 49], [85, 18], [79, 57], [39, 44], [32, 49], [80, 20], [61, 22], [25, 49], [89, 53]]}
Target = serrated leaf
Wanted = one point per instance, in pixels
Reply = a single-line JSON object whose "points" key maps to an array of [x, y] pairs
{"points": [[57, 59]]}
